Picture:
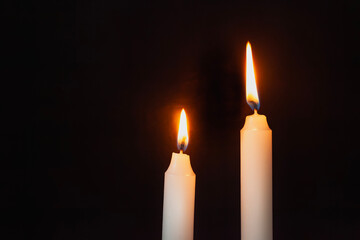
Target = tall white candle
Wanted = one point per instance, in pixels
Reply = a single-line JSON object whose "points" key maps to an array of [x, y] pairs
{"points": [[179, 192], [256, 166]]}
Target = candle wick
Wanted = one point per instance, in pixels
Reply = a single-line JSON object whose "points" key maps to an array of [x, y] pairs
{"points": [[255, 111], [181, 151]]}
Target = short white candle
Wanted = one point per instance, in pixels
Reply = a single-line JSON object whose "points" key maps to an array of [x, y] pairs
{"points": [[256, 166], [179, 192]]}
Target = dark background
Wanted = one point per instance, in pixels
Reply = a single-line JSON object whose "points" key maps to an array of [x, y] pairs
{"points": [[91, 92]]}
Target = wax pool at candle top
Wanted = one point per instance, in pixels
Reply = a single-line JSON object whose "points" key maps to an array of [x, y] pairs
{"points": [[256, 122], [180, 165]]}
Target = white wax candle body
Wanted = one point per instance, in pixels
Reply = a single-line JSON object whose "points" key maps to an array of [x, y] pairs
{"points": [[179, 199], [256, 179]]}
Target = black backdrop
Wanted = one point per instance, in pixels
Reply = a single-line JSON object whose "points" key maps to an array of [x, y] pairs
{"points": [[91, 94]]}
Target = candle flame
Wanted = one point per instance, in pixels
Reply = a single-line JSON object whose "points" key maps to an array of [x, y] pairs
{"points": [[183, 137], [252, 97]]}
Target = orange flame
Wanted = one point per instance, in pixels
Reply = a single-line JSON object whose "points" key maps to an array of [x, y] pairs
{"points": [[252, 97], [183, 137]]}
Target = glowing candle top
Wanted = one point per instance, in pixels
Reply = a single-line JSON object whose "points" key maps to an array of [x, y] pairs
{"points": [[183, 137], [252, 97]]}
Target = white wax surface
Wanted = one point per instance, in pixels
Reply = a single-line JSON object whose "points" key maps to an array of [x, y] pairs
{"points": [[179, 199], [256, 179]]}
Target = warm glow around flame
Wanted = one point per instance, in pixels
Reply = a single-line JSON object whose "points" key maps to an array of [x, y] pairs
{"points": [[252, 97], [183, 137]]}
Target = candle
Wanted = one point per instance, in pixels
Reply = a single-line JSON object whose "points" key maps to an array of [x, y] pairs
{"points": [[256, 166], [179, 191]]}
